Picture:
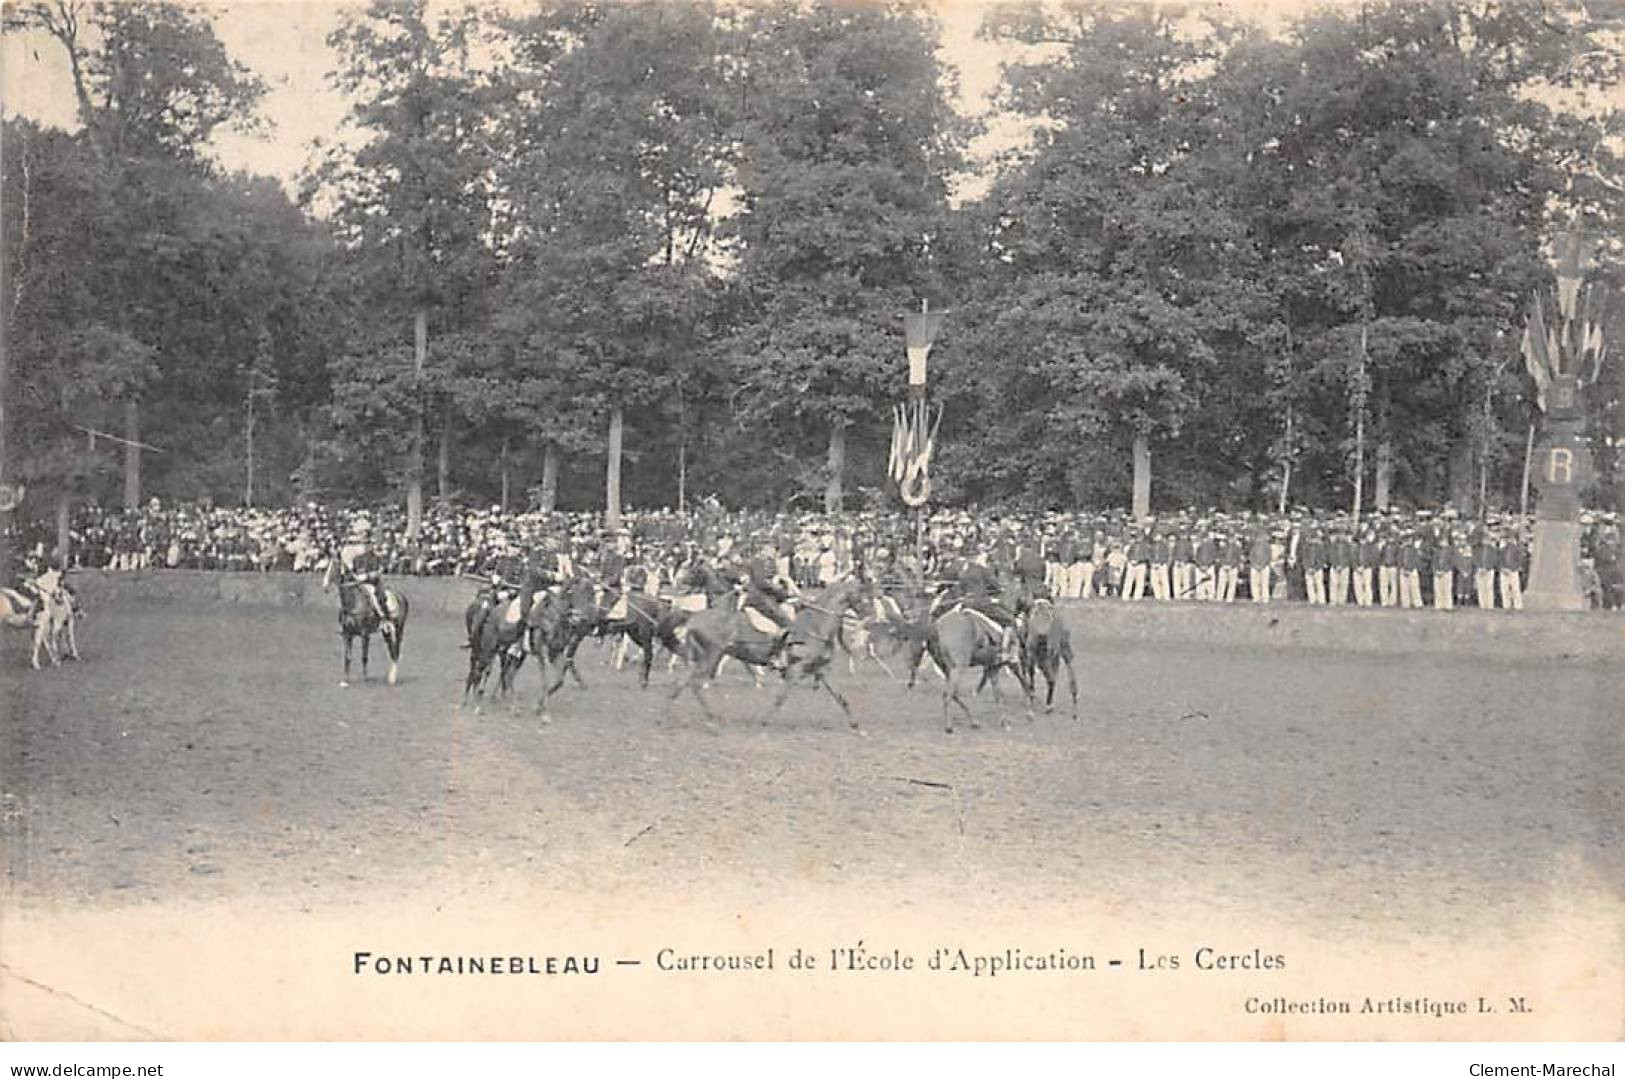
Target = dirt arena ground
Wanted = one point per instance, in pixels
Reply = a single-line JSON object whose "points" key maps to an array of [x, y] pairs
{"points": [[209, 758]]}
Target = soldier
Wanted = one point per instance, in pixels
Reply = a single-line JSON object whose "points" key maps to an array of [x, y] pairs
{"points": [[1184, 560], [1388, 565], [1486, 563], [1258, 561], [1028, 567], [1161, 556], [764, 593], [1444, 572], [1312, 552], [1206, 560], [978, 589], [1136, 561], [1340, 558], [360, 561], [1412, 555], [504, 573], [1606, 556], [1230, 559], [1088, 558], [1513, 560]]}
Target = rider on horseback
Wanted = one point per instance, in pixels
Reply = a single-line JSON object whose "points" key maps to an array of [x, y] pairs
{"points": [[363, 566], [505, 578], [977, 590], [763, 591]]}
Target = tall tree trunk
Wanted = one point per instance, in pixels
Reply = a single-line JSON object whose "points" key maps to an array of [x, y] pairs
{"points": [[1383, 491], [837, 465], [132, 455], [1486, 446], [1286, 463], [1141, 504], [443, 461], [682, 448], [1528, 461], [64, 509], [248, 446], [503, 457], [1461, 476], [414, 462], [612, 485], [1358, 404], [550, 476], [682, 473]]}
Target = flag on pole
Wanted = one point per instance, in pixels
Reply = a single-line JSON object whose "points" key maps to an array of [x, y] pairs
{"points": [[1569, 247], [1535, 355], [919, 331]]}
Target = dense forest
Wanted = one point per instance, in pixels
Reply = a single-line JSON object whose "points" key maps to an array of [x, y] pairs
{"points": [[665, 247]]}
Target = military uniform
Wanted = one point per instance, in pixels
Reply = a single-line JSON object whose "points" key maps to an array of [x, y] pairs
{"points": [[1486, 562], [1229, 567], [1513, 560], [1184, 558], [1258, 563], [1162, 557], [1313, 556], [1136, 558], [1444, 573]]}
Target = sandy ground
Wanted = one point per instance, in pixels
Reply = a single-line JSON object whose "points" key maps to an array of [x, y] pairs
{"points": [[202, 828]]}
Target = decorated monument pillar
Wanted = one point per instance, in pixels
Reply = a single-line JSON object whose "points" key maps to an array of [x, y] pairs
{"points": [[1562, 355], [914, 431]]}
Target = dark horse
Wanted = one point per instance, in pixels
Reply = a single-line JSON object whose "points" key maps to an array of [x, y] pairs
{"points": [[1046, 644], [648, 622], [496, 633], [552, 628], [358, 618], [804, 650]]}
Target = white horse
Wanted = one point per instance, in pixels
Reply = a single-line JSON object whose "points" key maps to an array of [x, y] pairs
{"points": [[52, 617]]}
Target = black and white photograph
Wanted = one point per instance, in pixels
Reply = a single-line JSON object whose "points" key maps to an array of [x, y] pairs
{"points": [[812, 521]]}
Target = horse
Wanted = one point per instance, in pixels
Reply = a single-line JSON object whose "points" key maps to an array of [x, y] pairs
{"points": [[52, 617], [805, 648], [647, 621], [861, 638], [549, 634], [358, 618], [581, 615], [963, 638], [495, 632], [1046, 644]]}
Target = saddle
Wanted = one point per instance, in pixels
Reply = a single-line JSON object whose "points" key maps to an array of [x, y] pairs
{"points": [[1008, 639], [762, 623]]}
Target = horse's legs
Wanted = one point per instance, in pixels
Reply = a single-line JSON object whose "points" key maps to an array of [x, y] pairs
{"points": [[570, 659], [950, 695], [647, 644], [784, 690], [874, 655], [393, 643], [366, 646], [348, 641], [840, 700], [542, 664], [473, 678]]}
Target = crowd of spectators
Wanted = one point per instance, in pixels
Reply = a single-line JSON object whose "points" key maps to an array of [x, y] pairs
{"points": [[1437, 559]]}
